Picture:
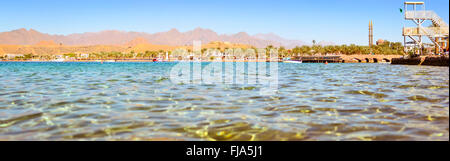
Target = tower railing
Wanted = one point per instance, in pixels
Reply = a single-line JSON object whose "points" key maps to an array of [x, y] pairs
{"points": [[429, 31], [437, 33], [426, 15]]}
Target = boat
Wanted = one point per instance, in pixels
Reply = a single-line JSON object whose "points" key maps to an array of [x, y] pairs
{"points": [[292, 61], [288, 60], [58, 60]]}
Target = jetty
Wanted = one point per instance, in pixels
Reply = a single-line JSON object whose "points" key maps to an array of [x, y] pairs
{"points": [[424, 60], [319, 59]]}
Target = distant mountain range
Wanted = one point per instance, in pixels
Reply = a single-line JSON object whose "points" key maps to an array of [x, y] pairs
{"points": [[172, 37]]}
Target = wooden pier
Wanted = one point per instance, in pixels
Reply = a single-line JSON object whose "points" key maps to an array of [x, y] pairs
{"points": [[320, 59]]}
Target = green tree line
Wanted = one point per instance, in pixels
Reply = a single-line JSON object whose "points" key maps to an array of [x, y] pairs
{"points": [[386, 48]]}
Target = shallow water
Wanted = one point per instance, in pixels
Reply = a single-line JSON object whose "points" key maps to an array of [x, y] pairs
{"points": [[138, 101]]}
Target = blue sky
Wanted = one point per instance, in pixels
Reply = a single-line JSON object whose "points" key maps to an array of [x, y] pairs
{"points": [[339, 21]]}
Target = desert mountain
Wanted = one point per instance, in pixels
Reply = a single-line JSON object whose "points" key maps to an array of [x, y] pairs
{"points": [[26, 37], [282, 41], [172, 37], [46, 43], [137, 41], [325, 43]]}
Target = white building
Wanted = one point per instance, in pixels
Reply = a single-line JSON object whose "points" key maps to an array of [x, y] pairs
{"points": [[12, 56]]}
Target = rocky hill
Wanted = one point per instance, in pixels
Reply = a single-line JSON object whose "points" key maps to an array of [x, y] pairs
{"points": [[172, 37]]}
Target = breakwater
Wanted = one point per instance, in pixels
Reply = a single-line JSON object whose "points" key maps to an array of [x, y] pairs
{"points": [[431, 61]]}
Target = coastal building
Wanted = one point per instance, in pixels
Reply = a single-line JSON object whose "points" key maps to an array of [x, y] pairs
{"points": [[12, 56], [59, 56], [84, 56], [380, 42]]}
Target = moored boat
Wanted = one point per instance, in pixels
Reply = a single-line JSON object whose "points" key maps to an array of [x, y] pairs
{"points": [[58, 60], [289, 60], [292, 61]]}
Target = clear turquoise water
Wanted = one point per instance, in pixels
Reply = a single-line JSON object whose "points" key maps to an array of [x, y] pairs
{"points": [[138, 101]]}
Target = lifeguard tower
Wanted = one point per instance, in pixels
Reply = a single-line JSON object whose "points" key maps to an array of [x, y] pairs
{"points": [[437, 32]]}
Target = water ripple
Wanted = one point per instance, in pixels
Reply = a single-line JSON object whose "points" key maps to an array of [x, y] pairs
{"points": [[138, 101]]}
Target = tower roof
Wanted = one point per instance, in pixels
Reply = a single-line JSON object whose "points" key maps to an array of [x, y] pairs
{"points": [[416, 3]]}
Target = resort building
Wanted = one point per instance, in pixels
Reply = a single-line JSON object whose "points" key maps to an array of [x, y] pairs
{"points": [[11, 56], [380, 41]]}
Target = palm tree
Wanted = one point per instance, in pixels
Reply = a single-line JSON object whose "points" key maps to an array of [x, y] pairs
{"points": [[314, 42], [268, 48], [281, 51], [296, 50], [305, 50]]}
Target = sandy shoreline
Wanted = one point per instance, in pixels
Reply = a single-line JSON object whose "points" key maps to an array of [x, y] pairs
{"points": [[345, 58]]}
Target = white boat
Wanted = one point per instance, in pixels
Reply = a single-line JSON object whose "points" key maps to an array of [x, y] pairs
{"points": [[58, 60], [292, 61]]}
